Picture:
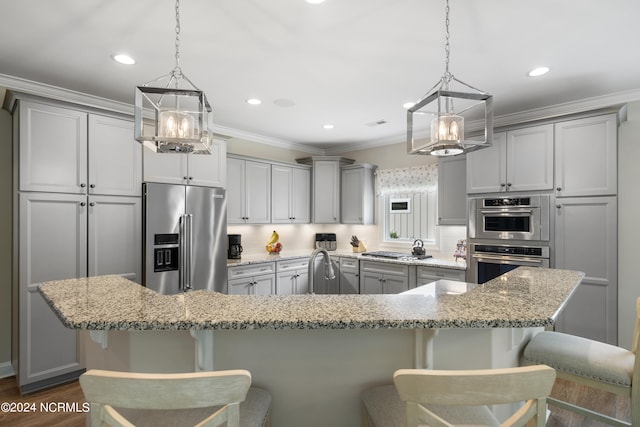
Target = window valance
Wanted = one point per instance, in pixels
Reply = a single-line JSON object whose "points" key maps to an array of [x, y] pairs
{"points": [[406, 180]]}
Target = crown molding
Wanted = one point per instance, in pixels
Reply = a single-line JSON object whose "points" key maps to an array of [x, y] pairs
{"points": [[558, 110]]}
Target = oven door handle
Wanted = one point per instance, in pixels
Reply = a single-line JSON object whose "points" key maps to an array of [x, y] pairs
{"points": [[509, 260], [508, 212]]}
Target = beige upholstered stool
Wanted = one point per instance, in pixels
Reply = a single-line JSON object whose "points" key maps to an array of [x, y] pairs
{"points": [[450, 398], [123, 399], [592, 363]]}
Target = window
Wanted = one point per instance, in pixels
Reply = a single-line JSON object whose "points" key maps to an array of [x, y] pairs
{"points": [[408, 204]]}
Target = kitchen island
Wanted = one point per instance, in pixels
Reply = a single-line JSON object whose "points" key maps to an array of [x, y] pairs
{"points": [[314, 353]]}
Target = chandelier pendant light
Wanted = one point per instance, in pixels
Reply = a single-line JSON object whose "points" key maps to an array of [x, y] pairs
{"points": [[181, 113], [436, 123]]}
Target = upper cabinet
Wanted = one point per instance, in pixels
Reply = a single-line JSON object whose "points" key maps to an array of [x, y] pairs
{"points": [[586, 156], [115, 158], [452, 195], [325, 184], [189, 169], [290, 194], [357, 194], [248, 192], [518, 160], [65, 150]]}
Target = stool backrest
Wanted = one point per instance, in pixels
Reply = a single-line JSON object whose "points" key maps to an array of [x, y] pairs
{"points": [[529, 384], [105, 390]]}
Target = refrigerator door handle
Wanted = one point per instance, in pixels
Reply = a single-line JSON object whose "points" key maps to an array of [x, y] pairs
{"points": [[182, 252], [189, 251]]}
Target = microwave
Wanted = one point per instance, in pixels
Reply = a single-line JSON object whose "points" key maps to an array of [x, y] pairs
{"points": [[397, 205], [510, 218]]}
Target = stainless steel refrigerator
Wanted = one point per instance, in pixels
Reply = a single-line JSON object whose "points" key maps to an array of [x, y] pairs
{"points": [[185, 238]]}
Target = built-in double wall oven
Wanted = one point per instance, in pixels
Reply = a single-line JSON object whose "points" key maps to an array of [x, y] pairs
{"points": [[506, 232]]}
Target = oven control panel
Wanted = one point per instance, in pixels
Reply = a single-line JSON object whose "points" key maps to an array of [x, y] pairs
{"points": [[537, 251]]}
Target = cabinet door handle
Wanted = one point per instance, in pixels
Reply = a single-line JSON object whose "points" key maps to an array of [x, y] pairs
{"points": [[83, 204], [190, 178], [184, 177], [92, 186], [502, 184], [83, 185], [558, 206], [92, 204], [559, 189], [508, 184]]}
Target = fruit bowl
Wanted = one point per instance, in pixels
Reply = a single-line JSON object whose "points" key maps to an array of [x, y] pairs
{"points": [[274, 248]]}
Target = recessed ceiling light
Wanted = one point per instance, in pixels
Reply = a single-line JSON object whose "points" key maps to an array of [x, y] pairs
{"points": [[408, 105], [122, 58], [538, 71], [254, 101], [327, 126], [314, 1]]}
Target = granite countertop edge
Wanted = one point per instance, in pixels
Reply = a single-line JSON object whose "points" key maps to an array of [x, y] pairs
{"points": [[524, 297]]}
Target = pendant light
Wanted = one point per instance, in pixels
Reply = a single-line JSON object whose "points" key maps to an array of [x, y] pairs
{"points": [[181, 113], [436, 125]]}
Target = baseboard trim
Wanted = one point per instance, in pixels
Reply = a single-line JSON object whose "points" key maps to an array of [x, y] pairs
{"points": [[6, 369]]}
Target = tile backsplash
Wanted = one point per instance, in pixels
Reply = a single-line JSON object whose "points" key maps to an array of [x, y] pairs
{"points": [[296, 238]]}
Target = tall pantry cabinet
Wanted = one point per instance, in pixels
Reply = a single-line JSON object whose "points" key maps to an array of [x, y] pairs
{"points": [[77, 213], [586, 223]]}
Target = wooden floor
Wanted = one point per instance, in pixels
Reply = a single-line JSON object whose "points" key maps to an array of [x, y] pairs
{"points": [[71, 393]]}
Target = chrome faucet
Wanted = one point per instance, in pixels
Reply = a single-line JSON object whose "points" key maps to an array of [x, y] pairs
{"points": [[328, 268]]}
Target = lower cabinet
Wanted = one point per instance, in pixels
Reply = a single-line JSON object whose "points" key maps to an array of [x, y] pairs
{"points": [[292, 276], [64, 236], [349, 275], [586, 240], [431, 274], [384, 278], [252, 279]]}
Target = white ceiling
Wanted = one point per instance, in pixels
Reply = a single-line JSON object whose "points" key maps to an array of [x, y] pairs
{"points": [[346, 62]]}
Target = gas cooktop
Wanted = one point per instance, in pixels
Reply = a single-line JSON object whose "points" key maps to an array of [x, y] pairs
{"points": [[394, 255]]}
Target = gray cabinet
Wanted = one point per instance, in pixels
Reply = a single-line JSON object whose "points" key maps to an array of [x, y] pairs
{"points": [[248, 191], [586, 223], [325, 187], [586, 240], [77, 213], [384, 278], [292, 276], [426, 275], [290, 194], [66, 150], [252, 279], [452, 190], [586, 157], [518, 160], [188, 169], [357, 194], [349, 275]]}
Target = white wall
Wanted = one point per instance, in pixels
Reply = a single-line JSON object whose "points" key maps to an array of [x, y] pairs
{"points": [[628, 229]]}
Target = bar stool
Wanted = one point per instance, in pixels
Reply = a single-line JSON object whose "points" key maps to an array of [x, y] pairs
{"points": [[450, 398], [593, 363], [209, 398]]}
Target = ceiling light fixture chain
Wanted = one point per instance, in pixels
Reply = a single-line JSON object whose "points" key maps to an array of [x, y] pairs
{"points": [[177, 71], [447, 48]]}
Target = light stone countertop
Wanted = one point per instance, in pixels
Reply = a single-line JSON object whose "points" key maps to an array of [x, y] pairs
{"points": [[436, 261], [524, 297]]}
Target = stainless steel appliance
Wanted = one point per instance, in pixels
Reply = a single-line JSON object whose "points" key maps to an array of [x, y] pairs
{"points": [[235, 246], [395, 255], [326, 241], [488, 261], [510, 218], [185, 238]]}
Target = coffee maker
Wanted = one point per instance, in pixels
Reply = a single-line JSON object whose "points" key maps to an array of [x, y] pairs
{"points": [[235, 246]]}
